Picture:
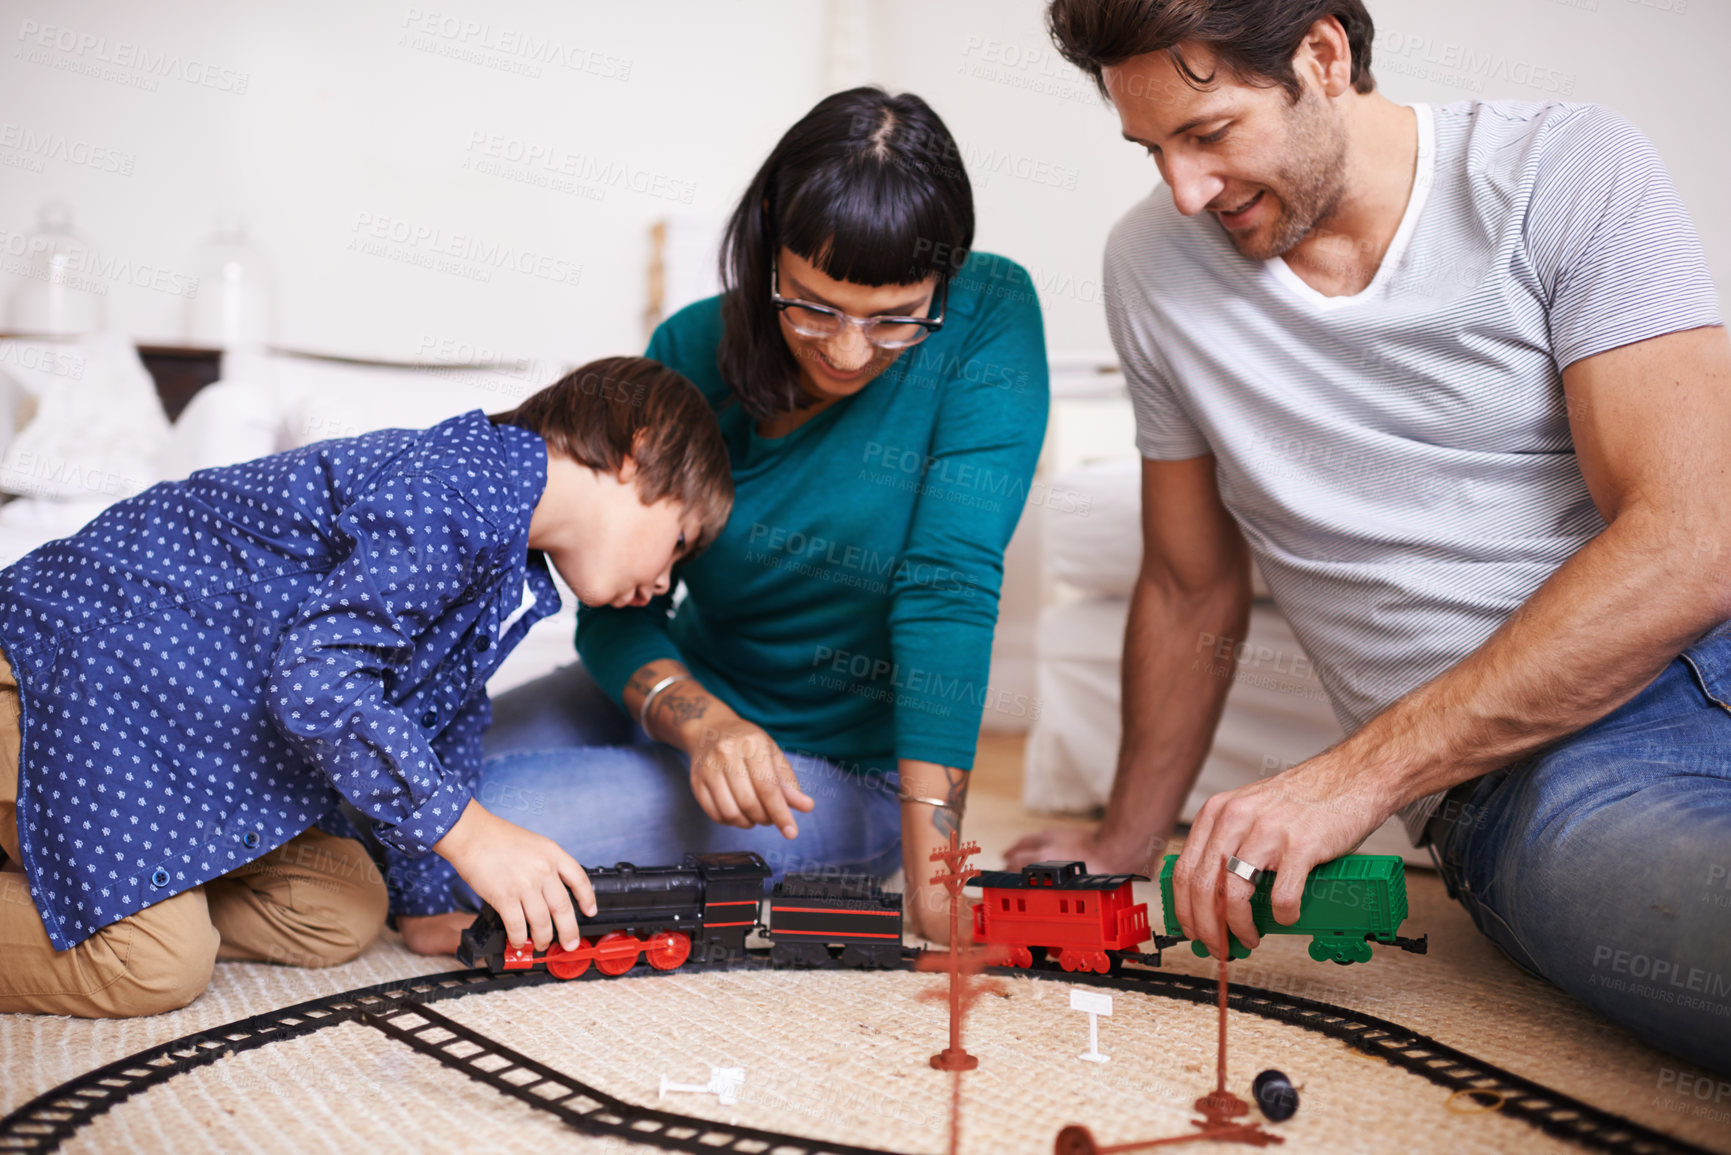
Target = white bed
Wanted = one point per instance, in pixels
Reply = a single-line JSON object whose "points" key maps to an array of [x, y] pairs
{"points": [[93, 431], [1277, 713]]}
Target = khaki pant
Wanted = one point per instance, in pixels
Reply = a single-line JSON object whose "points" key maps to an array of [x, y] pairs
{"points": [[315, 901]]}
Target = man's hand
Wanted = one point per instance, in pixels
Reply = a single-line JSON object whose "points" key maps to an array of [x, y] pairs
{"points": [[1290, 823], [1080, 843], [528, 879], [741, 778]]}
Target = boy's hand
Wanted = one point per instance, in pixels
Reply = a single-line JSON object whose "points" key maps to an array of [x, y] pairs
{"points": [[741, 778], [528, 879]]}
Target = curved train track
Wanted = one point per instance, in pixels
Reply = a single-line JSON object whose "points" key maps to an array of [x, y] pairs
{"points": [[401, 1011]]}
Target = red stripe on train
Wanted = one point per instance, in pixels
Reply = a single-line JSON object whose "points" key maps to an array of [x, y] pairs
{"points": [[838, 933]]}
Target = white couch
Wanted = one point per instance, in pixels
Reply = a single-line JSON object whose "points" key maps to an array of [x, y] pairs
{"points": [[1277, 713]]}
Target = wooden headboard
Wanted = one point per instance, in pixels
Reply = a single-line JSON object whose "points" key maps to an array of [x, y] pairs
{"points": [[179, 373]]}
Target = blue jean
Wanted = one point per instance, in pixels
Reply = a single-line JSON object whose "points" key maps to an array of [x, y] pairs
{"points": [[1603, 863], [564, 761]]}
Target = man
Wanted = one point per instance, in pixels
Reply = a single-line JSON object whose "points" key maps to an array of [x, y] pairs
{"points": [[1456, 379]]}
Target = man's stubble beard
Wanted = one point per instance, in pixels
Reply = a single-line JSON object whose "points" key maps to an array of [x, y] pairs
{"points": [[1310, 184]]}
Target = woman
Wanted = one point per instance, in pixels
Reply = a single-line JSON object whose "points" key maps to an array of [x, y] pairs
{"points": [[882, 392]]}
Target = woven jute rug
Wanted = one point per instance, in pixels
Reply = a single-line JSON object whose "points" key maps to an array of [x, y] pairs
{"points": [[842, 1056]]}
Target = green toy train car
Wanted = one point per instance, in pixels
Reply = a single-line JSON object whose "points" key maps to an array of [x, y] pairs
{"points": [[1348, 904]]}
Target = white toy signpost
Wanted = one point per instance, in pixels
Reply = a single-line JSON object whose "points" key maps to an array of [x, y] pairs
{"points": [[1096, 1005], [724, 1082]]}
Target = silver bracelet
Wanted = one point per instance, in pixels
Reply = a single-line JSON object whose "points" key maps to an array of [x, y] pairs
{"points": [[924, 800], [649, 698]]}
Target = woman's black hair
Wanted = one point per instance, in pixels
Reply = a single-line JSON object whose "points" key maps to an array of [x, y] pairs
{"points": [[868, 187]]}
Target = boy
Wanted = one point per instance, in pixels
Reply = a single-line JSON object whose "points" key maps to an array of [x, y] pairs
{"points": [[193, 683]]}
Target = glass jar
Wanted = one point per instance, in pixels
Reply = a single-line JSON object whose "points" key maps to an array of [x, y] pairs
{"points": [[58, 289], [235, 304]]}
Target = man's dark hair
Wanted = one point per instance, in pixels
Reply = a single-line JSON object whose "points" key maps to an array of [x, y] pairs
{"points": [[870, 188], [621, 407], [1254, 39]]}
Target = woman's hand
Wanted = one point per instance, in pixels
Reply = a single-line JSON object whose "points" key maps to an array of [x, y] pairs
{"points": [[739, 775], [1310, 814], [527, 878], [741, 778], [927, 915]]}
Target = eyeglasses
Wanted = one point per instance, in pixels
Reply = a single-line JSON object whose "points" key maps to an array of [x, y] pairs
{"points": [[810, 319]]}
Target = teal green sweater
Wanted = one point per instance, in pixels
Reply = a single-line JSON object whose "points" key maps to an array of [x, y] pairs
{"points": [[848, 607]]}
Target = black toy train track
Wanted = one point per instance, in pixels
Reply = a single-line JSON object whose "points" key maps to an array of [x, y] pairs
{"points": [[46, 1121]]}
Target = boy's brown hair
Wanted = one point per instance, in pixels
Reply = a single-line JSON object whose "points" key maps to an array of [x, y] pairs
{"points": [[1255, 39], [621, 407]]}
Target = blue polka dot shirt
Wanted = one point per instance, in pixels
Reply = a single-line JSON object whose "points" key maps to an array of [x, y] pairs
{"points": [[207, 669]]}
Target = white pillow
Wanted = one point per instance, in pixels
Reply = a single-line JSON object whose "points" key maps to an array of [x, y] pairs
{"points": [[334, 399], [1093, 527], [1094, 530]]}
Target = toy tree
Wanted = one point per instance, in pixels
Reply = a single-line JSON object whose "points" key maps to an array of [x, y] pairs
{"points": [[963, 964], [1221, 1110]]}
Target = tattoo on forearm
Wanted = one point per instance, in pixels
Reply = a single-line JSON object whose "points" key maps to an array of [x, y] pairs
{"points": [[686, 708], [947, 820]]}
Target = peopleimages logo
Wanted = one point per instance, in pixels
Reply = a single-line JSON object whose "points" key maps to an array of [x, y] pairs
{"points": [[1446, 62], [86, 52], [84, 270], [931, 691], [552, 166], [42, 146], [814, 555], [458, 253], [500, 45]]}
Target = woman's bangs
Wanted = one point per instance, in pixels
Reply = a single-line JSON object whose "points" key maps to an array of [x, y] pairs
{"points": [[872, 228]]}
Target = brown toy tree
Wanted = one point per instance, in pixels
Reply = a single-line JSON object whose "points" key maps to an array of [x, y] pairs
{"points": [[963, 964], [1223, 1113]]}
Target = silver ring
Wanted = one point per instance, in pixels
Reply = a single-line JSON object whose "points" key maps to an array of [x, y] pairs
{"points": [[1249, 873]]}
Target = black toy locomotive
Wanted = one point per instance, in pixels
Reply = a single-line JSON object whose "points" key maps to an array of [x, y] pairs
{"points": [[705, 908]]}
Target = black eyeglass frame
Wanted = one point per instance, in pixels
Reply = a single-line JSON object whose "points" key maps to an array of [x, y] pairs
{"points": [[929, 325]]}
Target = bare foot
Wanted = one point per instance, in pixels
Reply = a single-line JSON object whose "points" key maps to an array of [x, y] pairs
{"points": [[434, 933], [1070, 843]]}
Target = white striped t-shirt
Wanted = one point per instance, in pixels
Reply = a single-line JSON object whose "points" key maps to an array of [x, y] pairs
{"points": [[1400, 460]]}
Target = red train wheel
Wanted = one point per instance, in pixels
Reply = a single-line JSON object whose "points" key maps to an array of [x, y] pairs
{"points": [[1069, 959], [616, 953], [1022, 957], [1101, 964], [564, 964], [668, 950]]}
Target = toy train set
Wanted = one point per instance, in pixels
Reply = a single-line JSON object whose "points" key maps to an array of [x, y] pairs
{"points": [[707, 906]]}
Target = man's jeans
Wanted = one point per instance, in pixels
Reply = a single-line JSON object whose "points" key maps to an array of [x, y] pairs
{"points": [[1603, 863]]}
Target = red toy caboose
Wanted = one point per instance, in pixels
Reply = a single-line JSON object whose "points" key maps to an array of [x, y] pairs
{"points": [[1054, 907]]}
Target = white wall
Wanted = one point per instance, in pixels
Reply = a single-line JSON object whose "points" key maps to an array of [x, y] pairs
{"points": [[324, 113], [1017, 108], [361, 110]]}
